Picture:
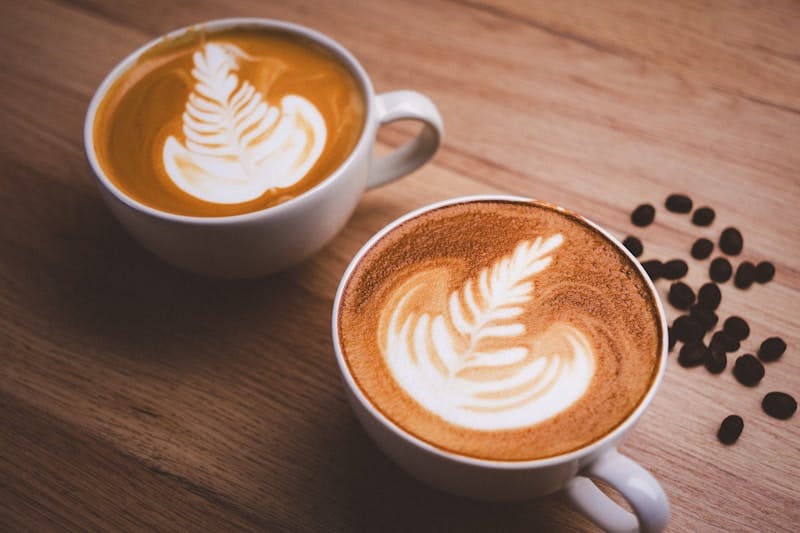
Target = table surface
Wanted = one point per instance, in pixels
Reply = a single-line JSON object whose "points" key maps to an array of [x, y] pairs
{"points": [[133, 396]]}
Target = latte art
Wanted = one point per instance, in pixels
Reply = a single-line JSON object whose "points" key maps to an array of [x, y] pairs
{"points": [[469, 360], [238, 146]]}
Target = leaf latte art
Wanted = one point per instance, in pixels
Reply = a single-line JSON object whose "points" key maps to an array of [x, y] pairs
{"points": [[237, 146], [470, 361]]}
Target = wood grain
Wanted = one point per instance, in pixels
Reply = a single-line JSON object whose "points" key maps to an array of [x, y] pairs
{"points": [[133, 396]]}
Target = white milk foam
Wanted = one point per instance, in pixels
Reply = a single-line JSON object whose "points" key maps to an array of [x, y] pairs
{"points": [[237, 145], [469, 362]]}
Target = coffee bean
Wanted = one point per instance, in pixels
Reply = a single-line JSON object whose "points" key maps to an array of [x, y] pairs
{"points": [[716, 362], [680, 295], [720, 270], [736, 327], [633, 245], [643, 215], [703, 216], [709, 296], [748, 370], [678, 203], [765, 271], [730, 241], [675, 269], [722, 342], [687, 329], [702, 248], [745, 275], [771, 349], [779, 405], [654, 269], [703, 315], [693, 353], [730, 429], [671, 338]]}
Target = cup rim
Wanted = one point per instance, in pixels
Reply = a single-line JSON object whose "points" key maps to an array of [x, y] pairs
{"points": [[123, 65], [579, 453]]}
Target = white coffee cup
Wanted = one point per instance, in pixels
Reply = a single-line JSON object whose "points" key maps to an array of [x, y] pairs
{"points": [[515, 480], [274, 238]]}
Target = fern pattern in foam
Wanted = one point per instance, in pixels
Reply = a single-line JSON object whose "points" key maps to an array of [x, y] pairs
{"points": [[237, 146], [468, 359]]}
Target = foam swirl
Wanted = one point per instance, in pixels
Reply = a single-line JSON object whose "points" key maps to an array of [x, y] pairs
{"points": [[237, 146], [464, 357]]}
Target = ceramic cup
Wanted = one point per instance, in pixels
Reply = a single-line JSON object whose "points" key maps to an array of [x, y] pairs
{"points": [[514, 480], [274, 238]]}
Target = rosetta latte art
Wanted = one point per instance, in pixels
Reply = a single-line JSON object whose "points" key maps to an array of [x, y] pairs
{"points": [[465, 357], [237, 146]]}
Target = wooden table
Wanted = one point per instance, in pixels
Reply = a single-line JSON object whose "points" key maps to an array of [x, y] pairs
{"points": [[133, 396]]}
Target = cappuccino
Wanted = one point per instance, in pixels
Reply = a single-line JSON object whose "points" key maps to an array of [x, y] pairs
{"points": [[228, 122], [501, 330]]}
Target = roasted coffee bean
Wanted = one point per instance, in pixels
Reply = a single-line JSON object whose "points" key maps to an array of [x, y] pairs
{"points": [[693, 353], [720, 270], [745, 275], [671, 339], [703, 315], [722, 342], [730, 429], [675, 269], [654, 269], [687, 329], [771, 349], [709, 296], [634, 246], [702, 248], [779, 405], [730, 241], [716, 362], [681, 296], [736, 327], [765, 271], [748, 370], [703, 216], [643, 215], [678, 203]]}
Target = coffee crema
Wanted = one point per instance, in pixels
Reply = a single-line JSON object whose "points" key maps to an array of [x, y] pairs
{"points": [[228, 122], [501, 330]]}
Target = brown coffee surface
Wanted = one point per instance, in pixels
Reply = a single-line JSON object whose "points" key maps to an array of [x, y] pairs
{"points": [[147, 106], [460, 299]]}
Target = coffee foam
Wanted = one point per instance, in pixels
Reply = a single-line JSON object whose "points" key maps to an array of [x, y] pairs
{"points": [[500, 330]]}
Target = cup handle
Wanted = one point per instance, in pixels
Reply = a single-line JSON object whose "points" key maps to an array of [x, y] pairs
{"points": [[635, 483], [406, 105]]}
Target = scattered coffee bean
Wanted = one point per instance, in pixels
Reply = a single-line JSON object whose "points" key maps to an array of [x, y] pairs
{"points": [[675, 269], [722, 342], [748, 370], [643, 215], [720, 270], [716, 362], [765, 271], [736, 327], [730, 429], [745, 275], [702, 248], [678, 203], [771, 349], [693, 353], [703, 315], [672, 339], [709, 296], [654, 269], [779, 405], [687, 329], [681, 296], [730, 241], [703, 216], [634, 246]]}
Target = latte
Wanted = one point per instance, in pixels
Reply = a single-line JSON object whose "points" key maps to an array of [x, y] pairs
{"points": [[502, 330], [228, 122]]}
